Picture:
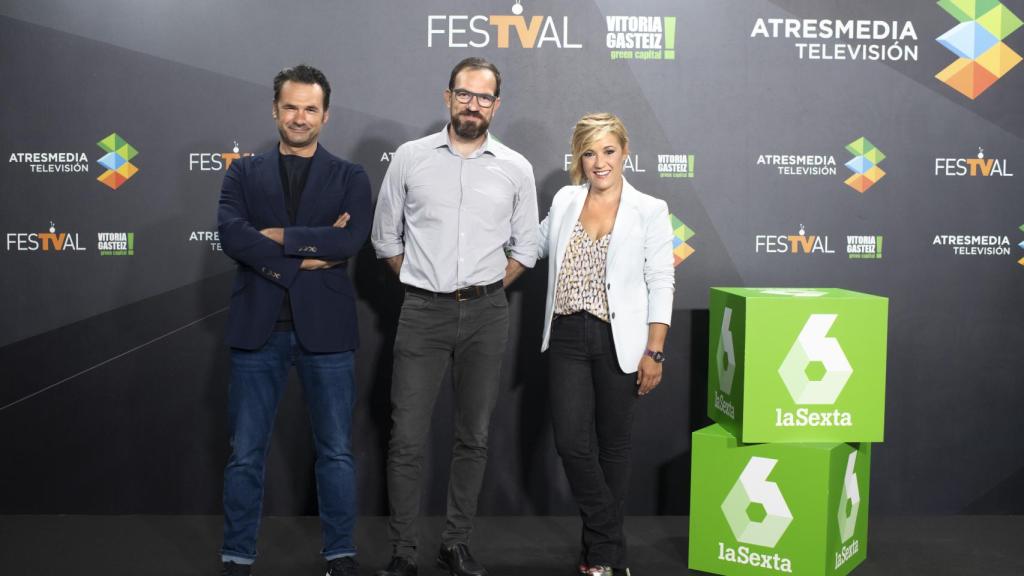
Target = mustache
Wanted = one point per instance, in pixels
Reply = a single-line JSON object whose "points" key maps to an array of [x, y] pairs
{"points": [[472, 114]]}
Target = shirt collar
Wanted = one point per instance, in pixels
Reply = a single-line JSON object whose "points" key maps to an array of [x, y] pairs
{"points": [[443, 138]]}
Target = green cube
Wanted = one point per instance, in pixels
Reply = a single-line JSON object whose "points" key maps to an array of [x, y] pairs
{"points": [[797, 364], [777, 508]]}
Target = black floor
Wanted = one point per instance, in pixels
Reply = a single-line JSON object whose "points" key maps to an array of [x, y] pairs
{"points": [[539, 546]]}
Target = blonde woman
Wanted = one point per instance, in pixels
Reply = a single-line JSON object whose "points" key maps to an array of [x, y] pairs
{"points": [[609, 306]]}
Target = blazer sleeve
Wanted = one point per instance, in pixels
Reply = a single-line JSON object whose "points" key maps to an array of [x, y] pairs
{"points": [[659, 273], [337, 243], [241, 241], [542, 237]]}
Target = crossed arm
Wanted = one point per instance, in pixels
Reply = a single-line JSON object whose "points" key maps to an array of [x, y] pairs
{"points": [[277, 235]]}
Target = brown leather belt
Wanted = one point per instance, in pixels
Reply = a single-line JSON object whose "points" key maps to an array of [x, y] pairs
{"points": [[460, 295]]}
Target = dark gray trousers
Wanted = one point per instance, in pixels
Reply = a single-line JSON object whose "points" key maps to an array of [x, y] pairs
{"points": [[434, 333]]}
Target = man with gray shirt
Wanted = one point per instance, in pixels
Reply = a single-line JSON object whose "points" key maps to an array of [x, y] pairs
{"points": [[457, 221]]}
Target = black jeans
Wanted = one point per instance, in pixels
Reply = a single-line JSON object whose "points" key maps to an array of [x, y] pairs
{"points": [[434, 333], [592, 403]]}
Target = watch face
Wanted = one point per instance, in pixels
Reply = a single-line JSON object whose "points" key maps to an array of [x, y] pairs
{"points": [[659, 357]]}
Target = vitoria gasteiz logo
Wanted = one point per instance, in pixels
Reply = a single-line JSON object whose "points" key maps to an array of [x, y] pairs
{"points": [[864, 164], [681, 233], [117, 161], [978, 42]]}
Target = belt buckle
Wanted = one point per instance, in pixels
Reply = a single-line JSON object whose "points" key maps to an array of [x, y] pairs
{"points": [[459, 295]]}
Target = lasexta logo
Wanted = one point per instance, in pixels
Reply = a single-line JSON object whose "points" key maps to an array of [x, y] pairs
{"points": [[753, 487], [849, 501], [725, 355], [815, 370]]}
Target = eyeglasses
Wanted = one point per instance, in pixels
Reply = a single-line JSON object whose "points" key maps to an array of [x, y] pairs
{"points": [[465, 96]]}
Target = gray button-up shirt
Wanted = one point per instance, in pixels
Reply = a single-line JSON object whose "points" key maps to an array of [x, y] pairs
{"points": [[454, 217]]}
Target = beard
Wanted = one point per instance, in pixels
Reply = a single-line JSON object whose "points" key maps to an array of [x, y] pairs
{"points": [[468, 129]]}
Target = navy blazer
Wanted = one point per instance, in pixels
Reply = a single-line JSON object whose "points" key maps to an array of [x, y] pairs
{"points": [[323, 301]]}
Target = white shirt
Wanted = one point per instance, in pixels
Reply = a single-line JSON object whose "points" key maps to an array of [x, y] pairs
{"points": [[454, 217]]}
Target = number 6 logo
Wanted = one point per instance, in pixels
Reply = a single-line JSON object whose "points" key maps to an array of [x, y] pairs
{"points": [[753, 487], [814, 345], [725, 357], [851, 494]]}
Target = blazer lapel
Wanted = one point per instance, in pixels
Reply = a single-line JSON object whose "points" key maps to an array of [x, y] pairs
{"points": [[627, 222], [565, 227], [320, 170], [270, 175]]}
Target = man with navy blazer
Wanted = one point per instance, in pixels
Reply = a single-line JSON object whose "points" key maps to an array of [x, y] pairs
{"points": [[290, 218]]}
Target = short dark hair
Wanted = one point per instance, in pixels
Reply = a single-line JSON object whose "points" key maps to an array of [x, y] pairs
{"points": [[306, 75], [476, 63]]}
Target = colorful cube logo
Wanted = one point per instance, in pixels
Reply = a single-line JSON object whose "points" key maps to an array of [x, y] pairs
{"points": [[864, 164], [983, 57], [777, 508], [797, 364], [681, 232], [117, 161]]}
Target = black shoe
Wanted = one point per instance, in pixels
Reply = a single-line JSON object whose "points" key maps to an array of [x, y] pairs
{"points": [[343, 566], [233, 569], [459, 562], [399, 566]]}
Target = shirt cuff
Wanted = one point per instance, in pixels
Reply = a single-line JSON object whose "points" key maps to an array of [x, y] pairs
{"points": [[388, 250], [527, 259]]}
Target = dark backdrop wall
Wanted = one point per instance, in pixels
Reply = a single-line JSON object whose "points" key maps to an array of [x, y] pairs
{"points": [[113, 295]]}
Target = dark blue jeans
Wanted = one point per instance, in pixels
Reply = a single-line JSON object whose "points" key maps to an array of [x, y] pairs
{"points": [[592, 402], [258, 378]]}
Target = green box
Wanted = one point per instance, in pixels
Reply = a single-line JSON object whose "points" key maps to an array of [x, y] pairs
{"points": [[797, 364], [765, 509]]}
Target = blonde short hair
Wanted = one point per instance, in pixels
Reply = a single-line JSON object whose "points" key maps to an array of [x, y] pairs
{"points": [[589, 129]]}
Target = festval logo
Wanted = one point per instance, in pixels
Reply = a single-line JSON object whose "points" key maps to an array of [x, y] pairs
{"points": [[500, 30], [978, 42], [866, 172], [682, 233], [117, 161]]}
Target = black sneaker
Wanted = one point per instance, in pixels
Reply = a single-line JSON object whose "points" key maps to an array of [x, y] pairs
{"points": [[233, 569], [399, 566], [343, 566]]}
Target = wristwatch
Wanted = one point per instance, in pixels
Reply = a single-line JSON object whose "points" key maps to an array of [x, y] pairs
{"points": [[657, 355]]}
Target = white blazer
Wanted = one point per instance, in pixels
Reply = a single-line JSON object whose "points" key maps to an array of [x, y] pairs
{"points": [[640, 278]]}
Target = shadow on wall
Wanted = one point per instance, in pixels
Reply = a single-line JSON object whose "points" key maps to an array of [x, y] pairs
{"points": [[673, 477]]}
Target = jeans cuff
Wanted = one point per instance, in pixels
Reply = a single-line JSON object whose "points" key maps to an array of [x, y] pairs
{"points": [[227, 557], [336, 555]]}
